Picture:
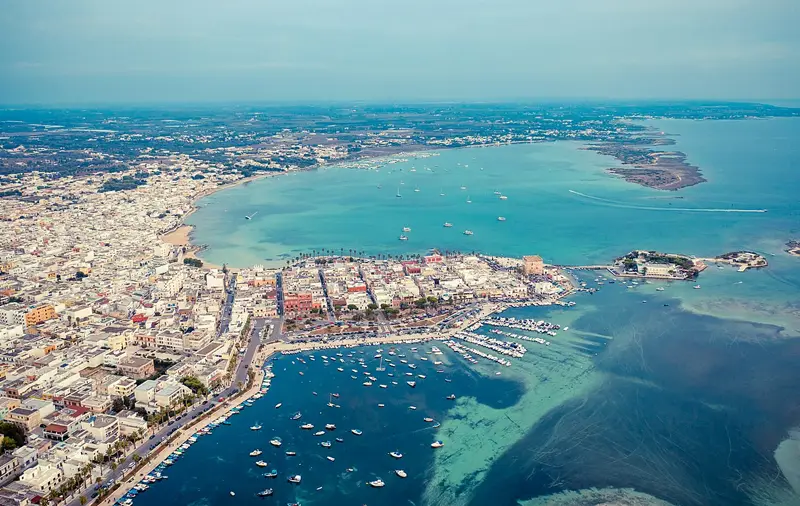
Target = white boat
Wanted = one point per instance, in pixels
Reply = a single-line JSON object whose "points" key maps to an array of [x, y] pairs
{"points": [[296, 416], [367, 383], [357, 432], [437, 444], [696, 287], [396, 454], [291, 454], [376, 483], [412, 384], [232, 492], [501, 218], [503, 197], [261, 463], [469, 200], [307, 426], [255, 427], [265, 493], [412, 408], [319, 433], [416, 190], [451, 397], [276, 442], [383, 386], [463, 187], [406, 229], [403, 237], [325, 444], [278, 405], [427, 419], [330, 458], [381, 405], [660, 289], [398, 192], [330, 426], [497, 192], [447, 224], [295, 479], [400, 473], [468, 232], [255, 453]]}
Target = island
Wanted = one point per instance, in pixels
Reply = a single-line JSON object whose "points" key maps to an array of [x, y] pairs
{"points": [[652, 264], [743, 260], [793, 248], [661, 170]]}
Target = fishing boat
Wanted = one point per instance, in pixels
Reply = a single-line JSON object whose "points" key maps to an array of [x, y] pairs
{"points": [[296, 416], [276, 442], [396, 454], [377, 483], [255, 453], [437, 444], [660, 289], [403, 237], [271, 474], [307, 426], [447, 224], [325, 444], [367, 383], [406, 229], [427, 419], [291, 454], [451, 397], [468, 232], [330, 426], [412, 384], [255, 427], [503, 197], [295, 478], [261, 463], [339, 440], [357, 432], [265, 493], [400, 473]]}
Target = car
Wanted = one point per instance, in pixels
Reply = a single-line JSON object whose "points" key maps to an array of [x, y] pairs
{"points": [[205, 402], [151, 437]]}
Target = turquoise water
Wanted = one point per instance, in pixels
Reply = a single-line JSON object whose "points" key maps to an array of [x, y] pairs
{"points": [[684, 398]]}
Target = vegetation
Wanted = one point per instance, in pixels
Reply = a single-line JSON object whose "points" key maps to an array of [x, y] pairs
{"points": [[13, 436], [122, 184], [195, 385], [194, 262]]}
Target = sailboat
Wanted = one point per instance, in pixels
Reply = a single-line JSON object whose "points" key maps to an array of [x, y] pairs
{"points": [[469, 200], [380, 367], [398, 193], [330, 401]]}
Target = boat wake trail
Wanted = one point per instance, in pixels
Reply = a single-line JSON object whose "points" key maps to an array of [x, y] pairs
{"points": [[652, 208]]}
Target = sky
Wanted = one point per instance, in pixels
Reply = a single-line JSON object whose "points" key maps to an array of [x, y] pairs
{"points": [[155, 51]]}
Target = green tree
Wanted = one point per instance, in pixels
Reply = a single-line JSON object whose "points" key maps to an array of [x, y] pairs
{"points": [[352, 307], [195, 385], [84, 500], [372, 306]]}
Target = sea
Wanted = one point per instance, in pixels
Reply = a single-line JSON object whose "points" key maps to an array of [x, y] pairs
{"points": [[683, 396]]}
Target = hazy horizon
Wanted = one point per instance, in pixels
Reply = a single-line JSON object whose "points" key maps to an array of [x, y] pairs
{"points": [[89, 52]]}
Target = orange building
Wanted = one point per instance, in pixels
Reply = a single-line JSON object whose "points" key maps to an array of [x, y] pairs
{"points": [[533, 265], [39, 314]]}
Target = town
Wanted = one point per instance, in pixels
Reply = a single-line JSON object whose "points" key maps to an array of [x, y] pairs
{"points": [[113, 337]]}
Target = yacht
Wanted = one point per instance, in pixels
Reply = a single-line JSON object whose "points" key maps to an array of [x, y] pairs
{"points": [[357, 432], [295, 479], [501, 218], [330, 458], [447, 224], [265, 493], [381, 405], [278, 405], [503, 197], [255, 427], [261, 463], [319, 433], [307, 426], [325, 444], [400, 473], [330, 426], [660, 289], [468, 232], [403, 237], [376, 483], [413, 408], [276, 442], [406, 229], [383, 386], [367, 383], [271, 474], [436, 351], [255, 453], [437, 444], [427, 419], [396, 454], [412, 384], [451, 397], [296, 416]]}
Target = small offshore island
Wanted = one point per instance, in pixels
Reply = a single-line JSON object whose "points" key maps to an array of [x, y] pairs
{"points": [[652, 264], [793, 248]]}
